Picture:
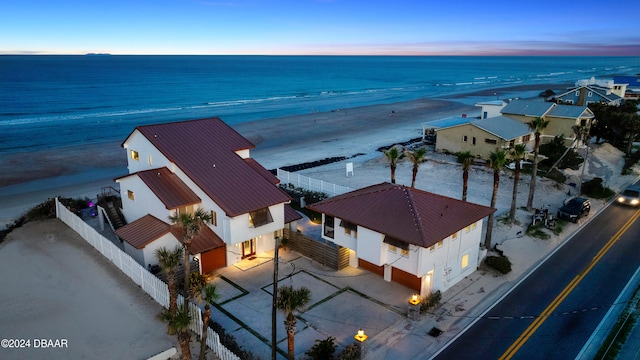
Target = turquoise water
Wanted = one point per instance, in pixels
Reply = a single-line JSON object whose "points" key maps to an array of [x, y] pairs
{"points": [[53, 101]]}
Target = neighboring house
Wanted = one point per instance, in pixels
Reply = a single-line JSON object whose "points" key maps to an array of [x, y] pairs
{"points": [[491, 108], [589, 94], [562, 118], [633, 85], [481, 137], [422, 240], [204, 164]]}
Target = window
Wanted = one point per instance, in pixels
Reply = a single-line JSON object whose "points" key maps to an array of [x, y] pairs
{"points": [[590, 94], [404, 252], [150, 160], [260, 217], [473, 226], [465, 261], [432, 247], [440, 243], [135, 155], [467, 229], [568, 102], [578, 93], [473, 140], [526, 138], [465, 138], [131, 195], [349, 228], [328, 226], [491, 141], [214, 218], [393, 249], [454, 236]]}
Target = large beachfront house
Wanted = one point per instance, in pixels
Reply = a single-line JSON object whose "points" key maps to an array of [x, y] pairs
{"points": [[563, 119], [204, 164], [481, 137], [422, 240]]}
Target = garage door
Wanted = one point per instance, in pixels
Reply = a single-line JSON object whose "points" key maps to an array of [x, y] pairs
{"points": [[379, 270], [214, 259], [409, 280]]}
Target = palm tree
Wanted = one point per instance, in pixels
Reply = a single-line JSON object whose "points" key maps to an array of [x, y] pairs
{"points": [[204, 294], [517, 154], [393, 155], [191, 225], [169, 261], [180, 321], [291, 300], [416, 157], [466, 159], [497, 160], [537, 126]]}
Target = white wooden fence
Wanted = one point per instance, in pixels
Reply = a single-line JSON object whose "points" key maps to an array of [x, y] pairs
{"points": [[308, 183], [153, 286]]}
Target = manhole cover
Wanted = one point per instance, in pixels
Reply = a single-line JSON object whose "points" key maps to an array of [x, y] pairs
{"points": [[435, 332]]}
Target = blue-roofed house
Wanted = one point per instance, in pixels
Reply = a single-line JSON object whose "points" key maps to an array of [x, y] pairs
{"points": [[481, 137], [562, 118], [589, 94]]}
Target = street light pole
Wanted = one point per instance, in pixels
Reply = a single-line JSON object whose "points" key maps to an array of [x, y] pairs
{"points": [[274, 308]]}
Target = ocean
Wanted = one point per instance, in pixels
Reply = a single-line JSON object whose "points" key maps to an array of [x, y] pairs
{"points": [[56, 101]]}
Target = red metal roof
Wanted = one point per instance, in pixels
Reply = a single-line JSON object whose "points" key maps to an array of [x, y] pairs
{"points": [[168, 187], [205, 151], [290, 214], [143, 231], [411, 215], [204, 241], [262, 171]]}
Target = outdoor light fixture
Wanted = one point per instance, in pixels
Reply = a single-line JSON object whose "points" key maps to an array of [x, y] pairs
{"points": [[360, 336], [414, 300]]}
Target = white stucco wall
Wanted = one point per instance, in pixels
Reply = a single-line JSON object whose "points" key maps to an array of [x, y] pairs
{"points": [[168, 241], [144, 202]]}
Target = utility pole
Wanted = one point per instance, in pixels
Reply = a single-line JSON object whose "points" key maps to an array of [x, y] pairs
{"points": [[274, 308]]}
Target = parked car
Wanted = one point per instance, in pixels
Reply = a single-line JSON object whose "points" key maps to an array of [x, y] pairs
{"points": [[630, 196], [574, 209]]}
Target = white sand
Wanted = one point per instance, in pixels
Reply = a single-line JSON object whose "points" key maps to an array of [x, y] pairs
{"points": [[57, 287]]}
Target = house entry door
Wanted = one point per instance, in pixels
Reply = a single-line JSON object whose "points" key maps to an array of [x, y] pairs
{"points": [[248, 248]]}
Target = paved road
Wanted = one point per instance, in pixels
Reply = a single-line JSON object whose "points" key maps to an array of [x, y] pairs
{"points": [[571, 288]]}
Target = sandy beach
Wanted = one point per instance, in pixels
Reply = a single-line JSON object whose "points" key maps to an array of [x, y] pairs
{"points": [[82, 171]]}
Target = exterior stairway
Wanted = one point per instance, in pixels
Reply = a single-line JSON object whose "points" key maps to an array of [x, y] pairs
{"points": [[114, 215]]}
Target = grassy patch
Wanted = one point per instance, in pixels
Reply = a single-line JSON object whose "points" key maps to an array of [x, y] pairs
{"points": [[539, 231]]}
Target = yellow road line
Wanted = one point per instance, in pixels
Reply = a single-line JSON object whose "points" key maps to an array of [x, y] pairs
{"points": [[522, 339]]}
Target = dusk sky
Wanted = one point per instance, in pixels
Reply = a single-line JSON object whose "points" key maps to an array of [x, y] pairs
{"points": [[319, 27]]}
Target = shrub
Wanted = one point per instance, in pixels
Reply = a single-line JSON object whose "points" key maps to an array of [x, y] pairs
{"points": [[499, 263], [350, 352], [594, 189], [323, 349], [431, 301]]}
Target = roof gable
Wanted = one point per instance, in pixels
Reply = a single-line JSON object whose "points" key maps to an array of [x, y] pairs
{"points": [[168, 187], [534, 108], [143, 231], [408, 214], [570, 111], [205, 150]]}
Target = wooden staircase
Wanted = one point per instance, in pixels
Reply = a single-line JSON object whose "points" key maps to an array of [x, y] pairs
{"points": [[116, 218]]}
